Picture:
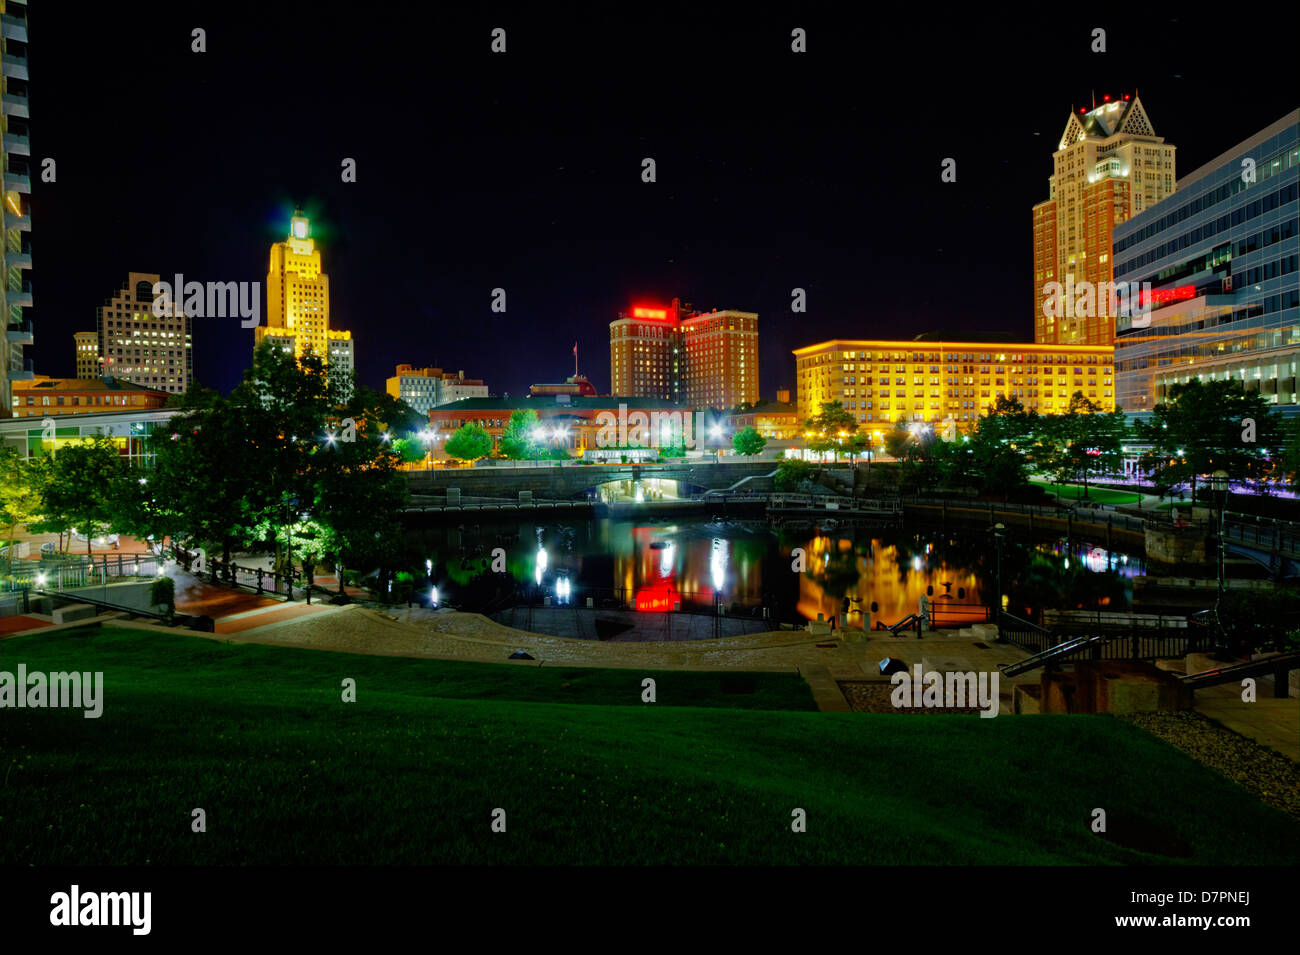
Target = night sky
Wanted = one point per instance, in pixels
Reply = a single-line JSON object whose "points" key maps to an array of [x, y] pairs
{"points": [[522, 170]]}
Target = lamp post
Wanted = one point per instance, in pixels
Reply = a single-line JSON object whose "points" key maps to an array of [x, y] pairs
{"points": [[1219, 484], [999, 534]]}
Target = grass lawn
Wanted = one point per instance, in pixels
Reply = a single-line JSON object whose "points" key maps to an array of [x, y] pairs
{"points": [[1099, 495], [411, 772]]}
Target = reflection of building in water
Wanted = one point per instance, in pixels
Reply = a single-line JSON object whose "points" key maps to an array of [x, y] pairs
{"points": [[664, 568], [639, 490], [893, 580]]}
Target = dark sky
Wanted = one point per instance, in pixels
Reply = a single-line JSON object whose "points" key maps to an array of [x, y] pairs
{"points": [[522, 170]]}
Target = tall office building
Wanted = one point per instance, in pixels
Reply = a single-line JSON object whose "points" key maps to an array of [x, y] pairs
{"points": [[1108, 166], [1221, 257], [87, 345], [947, 385], [15, 288], [646, 352], [298, 301], [721, 359], [139, 346]]}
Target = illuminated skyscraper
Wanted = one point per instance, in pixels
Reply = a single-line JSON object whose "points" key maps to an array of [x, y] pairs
{"points": [[1109, 166], [15, 289], [298, 301], [87, 345], [140, 346]]}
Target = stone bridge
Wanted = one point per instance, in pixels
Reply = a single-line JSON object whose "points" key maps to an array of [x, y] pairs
{"points": [[568, 481]]}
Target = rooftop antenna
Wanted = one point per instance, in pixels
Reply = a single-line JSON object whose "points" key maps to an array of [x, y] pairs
{"points": [[575, 359], [1094, 99]]}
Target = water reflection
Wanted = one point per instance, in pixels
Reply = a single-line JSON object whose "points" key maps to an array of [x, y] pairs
{"points": [[747, 567]]}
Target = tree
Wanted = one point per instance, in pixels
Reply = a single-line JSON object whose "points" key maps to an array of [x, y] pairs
{"points": [[74, 496], [827, 430], [469, 442], [521, 438], [20, 493], [1205, 426], [748, 441], [283, 408]]}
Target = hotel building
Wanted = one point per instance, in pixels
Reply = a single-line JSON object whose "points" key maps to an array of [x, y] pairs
{"points": [[139, 346], [298, 301], [1221, 257], [721, 359], [15, 289], [1108, 166], [704, 359], [647, 356], [948, 385]]}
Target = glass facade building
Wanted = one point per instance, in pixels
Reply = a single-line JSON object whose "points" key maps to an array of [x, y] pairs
{"points": [[1221, 256]]}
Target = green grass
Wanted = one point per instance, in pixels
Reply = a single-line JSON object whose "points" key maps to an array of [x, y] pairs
{"points": [[1099, 495], [410, 773]]}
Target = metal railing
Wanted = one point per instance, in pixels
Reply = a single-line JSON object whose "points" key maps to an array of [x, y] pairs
{"points": [[65, 575]]}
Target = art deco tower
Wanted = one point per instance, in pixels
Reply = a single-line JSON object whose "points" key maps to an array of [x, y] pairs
{"points": [[298, 301]]}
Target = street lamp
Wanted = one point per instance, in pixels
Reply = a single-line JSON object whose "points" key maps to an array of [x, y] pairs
{"points": [[1219, 484], [999, 534]]}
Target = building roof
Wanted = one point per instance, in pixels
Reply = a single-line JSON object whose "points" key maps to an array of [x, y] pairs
{"points": [[923, 345], [547, 402], [44, 383], [1123, 115], [768, 407]]}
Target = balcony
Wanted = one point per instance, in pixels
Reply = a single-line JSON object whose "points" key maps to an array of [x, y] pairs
{"points": [[22, 298], [18, 182], [20, 334], [26, 373], [11, 64], [17, 260], [13, 28], [14, 104], [13, 220], [17, 144]]}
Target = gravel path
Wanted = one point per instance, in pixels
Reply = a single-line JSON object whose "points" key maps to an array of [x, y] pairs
{"points": [[875, 696], [1265, 772]]}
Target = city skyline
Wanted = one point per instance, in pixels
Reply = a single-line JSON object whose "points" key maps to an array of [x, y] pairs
{"points": [[760, 189]]}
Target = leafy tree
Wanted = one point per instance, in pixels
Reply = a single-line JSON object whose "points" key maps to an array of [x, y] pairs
{"points": [[519, 439], [897, 440], [283, 407], [1201, 428], [791, 473], [827, 430], [74, 495], [21, 493], [351, 473], [469, 442], [408, 450], [748, 441]]}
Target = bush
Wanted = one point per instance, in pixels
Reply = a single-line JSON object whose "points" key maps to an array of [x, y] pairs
{"points": [[163, 594]]}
